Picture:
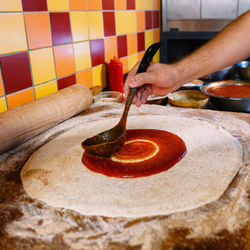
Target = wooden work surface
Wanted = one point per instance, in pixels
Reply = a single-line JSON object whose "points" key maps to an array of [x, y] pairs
{"points": [[30, 224]]}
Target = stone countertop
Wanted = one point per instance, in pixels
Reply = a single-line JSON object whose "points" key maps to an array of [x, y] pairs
{"points": [[27, 223]]}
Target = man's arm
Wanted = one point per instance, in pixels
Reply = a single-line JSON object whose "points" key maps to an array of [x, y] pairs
{"points": [[230, 46]]}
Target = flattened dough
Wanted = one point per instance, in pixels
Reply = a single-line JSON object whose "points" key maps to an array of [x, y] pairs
{"points": [[55, 174]]}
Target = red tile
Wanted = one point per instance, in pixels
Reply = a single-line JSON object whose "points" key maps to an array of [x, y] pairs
{"points": [[108, 5], [156, 19], [130, 4], [148, 19], [66, 81], [122, 46], [97, 52], [34, 5], [140, 41], [16, 72], [109, 23], [60, 28]]}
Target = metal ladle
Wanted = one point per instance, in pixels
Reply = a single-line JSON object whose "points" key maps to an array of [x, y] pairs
{"points": [[110, 141]]}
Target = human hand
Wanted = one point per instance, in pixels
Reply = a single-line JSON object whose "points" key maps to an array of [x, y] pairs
{"points": [[160, 79]]}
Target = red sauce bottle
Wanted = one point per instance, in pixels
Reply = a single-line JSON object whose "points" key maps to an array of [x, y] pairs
{"points": [[115, 74]]}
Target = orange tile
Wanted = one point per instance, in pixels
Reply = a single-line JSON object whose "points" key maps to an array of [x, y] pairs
{"points": [[140, 20], [124, 61], [156, 4], [10, 5], [14, 38], [110, 44], [156, 36], [64, 60], [77, 5], [20, 98], [132, 43], [140, 55], [85, 78], [120, 5], [38, 29], [94, 4], [1, 86]]}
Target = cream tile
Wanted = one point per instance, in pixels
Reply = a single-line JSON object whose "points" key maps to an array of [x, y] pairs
{"points": [[121, 22], [11, 5], [95, 25], [14, 38], [79, 26], [82, 55], [131, 24]]}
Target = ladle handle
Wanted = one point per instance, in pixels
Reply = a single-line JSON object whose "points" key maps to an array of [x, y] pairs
{"points": [[149, 54]]}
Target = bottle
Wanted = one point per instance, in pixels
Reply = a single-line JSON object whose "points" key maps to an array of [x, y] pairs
{"points": [[115, 75]]}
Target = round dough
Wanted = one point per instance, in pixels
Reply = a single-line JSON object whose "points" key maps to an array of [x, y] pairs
{"points": [[56, 175]]}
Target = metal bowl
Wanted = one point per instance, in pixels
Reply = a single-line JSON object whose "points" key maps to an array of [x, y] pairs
{"points": [[244, 70], [220, 74], [239, 104]]}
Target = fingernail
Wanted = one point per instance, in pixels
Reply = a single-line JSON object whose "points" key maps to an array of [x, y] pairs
{"points": [[132, 83]]}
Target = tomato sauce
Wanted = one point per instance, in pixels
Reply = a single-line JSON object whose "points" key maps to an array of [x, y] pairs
{"points": [[231, 90], [149, 151]]}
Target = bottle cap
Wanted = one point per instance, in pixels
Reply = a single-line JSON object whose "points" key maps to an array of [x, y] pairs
{"points": [[115, 60]]}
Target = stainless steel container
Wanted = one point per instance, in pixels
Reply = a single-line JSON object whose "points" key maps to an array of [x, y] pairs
{"points": [[239, 104], [244, 70]]}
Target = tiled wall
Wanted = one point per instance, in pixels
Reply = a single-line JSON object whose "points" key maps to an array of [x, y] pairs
{"points": [[46, 45]]}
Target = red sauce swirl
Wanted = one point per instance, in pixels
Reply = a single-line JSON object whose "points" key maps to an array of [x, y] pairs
{"points": [[168, 151], [231, 90]]}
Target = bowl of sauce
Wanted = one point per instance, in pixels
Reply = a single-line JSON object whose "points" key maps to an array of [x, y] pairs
{"points": [[229, 95]]}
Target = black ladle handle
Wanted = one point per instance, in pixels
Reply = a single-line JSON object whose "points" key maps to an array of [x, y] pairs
{"points": [[149, 54]]}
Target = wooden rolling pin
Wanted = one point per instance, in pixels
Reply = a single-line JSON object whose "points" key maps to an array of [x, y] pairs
{"points": [[24, 122]]}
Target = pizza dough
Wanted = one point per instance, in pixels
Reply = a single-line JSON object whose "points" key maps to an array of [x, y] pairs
{"points": [[56, 175]]}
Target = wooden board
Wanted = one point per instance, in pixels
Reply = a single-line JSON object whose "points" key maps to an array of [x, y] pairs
{"points": [[31, 224]]}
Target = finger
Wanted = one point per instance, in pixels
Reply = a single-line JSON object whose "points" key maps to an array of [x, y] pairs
{"points": [[141, 79]]}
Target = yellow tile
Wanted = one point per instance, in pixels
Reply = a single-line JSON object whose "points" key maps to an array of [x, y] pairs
{"points": [[79, 26], [121, 22], [58, 5], [156, 57], [45, 89], [3, 106], [148, 4], [99, 76], [14, 38], [42, 65], [139, 4], [131, 17], [132, 60], [95, 25], [82, 55], [148, 38], [11, 5]]}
